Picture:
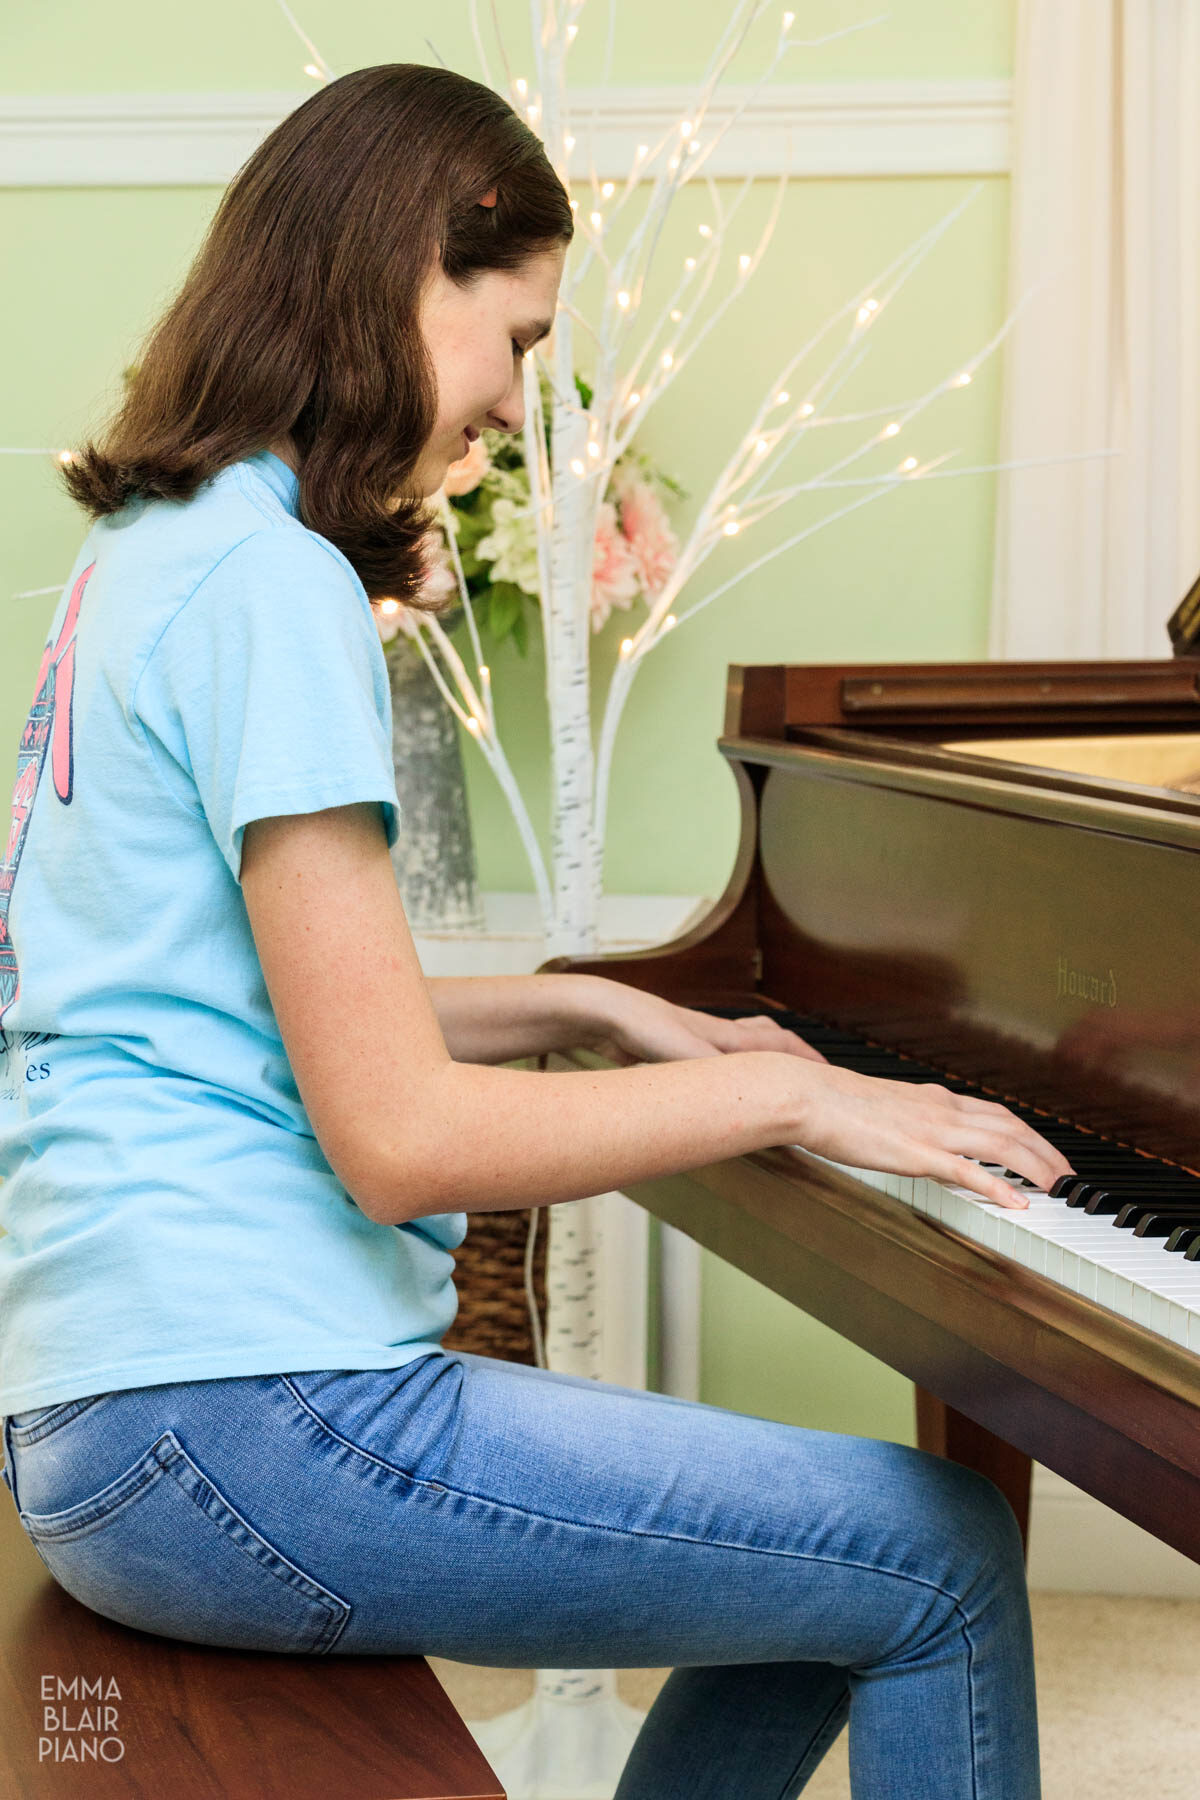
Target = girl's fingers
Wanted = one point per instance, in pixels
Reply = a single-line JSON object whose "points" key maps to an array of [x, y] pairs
{"points": [[959, 1171], [990, 1132], [1002, 1143]]}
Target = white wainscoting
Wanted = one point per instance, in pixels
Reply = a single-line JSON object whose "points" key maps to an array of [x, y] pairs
{"points": [[809, 129]]}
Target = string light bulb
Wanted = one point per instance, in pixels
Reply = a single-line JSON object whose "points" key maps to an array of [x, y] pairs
{"points": [[789, 19], [782, 397], [731, 528], [743, 262], [569, 141], [685, 128], [312, 69], [676, 315], [642, 150], [66, 456], [608, 190], [908, 465], [622, 299], [473, 725], [669, 621], [522, 86], [577, 465], [689, 262], [892, 430], [593, 447], [761, 448], [807, 410], [666, 359], [597, 219], [705, 231], [626, 646], [867, 311], [572, 33], [963, 380]]}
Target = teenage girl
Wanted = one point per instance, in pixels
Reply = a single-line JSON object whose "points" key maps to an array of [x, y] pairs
{"points": [[241, 1133]]}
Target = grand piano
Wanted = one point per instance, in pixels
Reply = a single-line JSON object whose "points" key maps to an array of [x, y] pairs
{"points": [[986, 875]]}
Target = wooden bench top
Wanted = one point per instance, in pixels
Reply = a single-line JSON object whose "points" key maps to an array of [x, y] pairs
{"points": [[199, 1723]]}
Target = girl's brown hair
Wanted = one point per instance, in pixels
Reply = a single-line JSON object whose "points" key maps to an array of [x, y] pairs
{"points": [[300, 312]]}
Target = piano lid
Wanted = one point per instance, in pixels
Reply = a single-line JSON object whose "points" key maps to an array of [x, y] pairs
{"points": [[1125, 732]]}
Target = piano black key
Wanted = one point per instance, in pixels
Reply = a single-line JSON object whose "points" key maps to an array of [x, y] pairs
{"points": [[1182, 1236], [1103, 1200], [1109, 1204], [1161, 1225], [1135, 1210]]}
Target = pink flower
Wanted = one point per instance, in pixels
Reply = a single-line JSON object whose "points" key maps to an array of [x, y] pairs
{"points": [[614, 572], [440, 580], [469, 470], [647, 530], [439, 583]]}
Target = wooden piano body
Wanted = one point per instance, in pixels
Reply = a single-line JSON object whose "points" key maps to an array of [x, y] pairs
{"points": [[995, 868]]}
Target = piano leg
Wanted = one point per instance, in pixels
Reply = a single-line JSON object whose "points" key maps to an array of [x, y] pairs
{"points": [[951, 1434]]}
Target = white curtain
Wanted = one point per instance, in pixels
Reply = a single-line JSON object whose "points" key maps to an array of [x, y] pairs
{"points": [[1092, 557]]}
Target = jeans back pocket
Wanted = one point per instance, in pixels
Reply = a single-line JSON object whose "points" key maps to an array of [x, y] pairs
{"points": [[162, 1549]]}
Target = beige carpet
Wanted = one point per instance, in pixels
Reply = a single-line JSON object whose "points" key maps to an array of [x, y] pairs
{"points": [[1117, 1682]]}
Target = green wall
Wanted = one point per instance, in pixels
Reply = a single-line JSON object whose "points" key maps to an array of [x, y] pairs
{"points": [[88, 270]]}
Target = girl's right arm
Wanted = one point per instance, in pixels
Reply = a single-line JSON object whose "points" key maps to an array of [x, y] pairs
{"points": [[410, 1132]]}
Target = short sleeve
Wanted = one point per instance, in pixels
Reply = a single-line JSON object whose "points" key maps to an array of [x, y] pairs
{"points": [[269, 686]]}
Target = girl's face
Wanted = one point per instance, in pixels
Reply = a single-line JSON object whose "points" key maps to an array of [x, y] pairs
{"points": [[477, 337]]}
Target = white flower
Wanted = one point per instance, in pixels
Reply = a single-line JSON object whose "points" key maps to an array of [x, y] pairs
{"points": [[511, 546]]}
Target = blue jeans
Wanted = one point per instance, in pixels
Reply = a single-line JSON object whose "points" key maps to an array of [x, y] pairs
{"points": [[494, 1513]]}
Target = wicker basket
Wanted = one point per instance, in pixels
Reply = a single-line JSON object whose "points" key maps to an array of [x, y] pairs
{"points": [[493, 1311]]}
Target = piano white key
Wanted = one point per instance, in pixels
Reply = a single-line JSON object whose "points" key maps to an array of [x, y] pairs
{"points": [[1137, 1278]]}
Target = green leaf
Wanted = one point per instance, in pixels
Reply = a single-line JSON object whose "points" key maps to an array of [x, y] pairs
{"points": [[505, 606], [520, 632]]}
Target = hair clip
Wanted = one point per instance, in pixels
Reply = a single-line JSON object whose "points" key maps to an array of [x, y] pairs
{"points": [[489, 199]]}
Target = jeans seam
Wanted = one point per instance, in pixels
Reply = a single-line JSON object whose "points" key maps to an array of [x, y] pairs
{"points": [[672, 1537], [840, 1706]]}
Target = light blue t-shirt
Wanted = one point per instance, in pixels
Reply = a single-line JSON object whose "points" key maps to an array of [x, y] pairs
{"points": [[170, 1213]]}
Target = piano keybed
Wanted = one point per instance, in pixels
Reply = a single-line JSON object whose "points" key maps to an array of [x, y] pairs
{"points": [[1125, 1235]]}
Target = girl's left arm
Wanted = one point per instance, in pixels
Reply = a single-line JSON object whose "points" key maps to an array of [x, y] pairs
{"points": [[501, 1018]]}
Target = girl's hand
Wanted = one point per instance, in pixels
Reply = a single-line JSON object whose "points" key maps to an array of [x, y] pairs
{"points": [[920, 1128], [632, 1026], [904, 1128]]}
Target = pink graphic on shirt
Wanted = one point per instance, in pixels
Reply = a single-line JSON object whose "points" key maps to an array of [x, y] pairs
{"points": [[50, 725]]}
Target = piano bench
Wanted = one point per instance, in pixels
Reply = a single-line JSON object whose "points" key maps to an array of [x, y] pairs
{"points": [[201, 1723]]}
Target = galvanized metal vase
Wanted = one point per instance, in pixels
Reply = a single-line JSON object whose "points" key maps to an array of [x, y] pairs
{"points": [[434, 855]]}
